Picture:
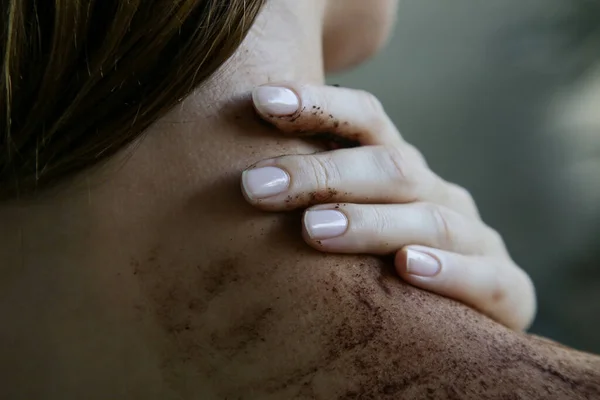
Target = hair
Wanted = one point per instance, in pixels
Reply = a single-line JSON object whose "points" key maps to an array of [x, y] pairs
{"points": [[82, 79]]}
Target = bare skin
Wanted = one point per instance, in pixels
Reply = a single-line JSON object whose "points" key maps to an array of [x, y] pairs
{"points": [[151, 277], [378, 196]]}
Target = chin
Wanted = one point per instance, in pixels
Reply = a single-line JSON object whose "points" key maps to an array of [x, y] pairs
{"points": [[355, 30]]}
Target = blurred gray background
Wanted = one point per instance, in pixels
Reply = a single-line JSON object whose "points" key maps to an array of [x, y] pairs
{"points": [[500, 96]]}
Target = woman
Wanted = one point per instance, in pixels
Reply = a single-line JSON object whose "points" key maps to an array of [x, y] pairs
{"points": [[133, 269]]}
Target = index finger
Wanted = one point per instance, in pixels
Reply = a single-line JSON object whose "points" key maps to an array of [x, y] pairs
{"points": [[354, 115]]}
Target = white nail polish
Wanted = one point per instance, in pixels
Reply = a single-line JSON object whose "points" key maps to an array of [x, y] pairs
{"points": [[275, 101], [325, 224], [264, 182], [422, 264]]}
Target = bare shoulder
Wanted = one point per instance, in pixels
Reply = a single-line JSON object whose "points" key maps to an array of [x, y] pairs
{"points": [[244, 309], [275, 319]]}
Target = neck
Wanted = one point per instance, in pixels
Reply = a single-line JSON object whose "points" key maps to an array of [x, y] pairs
{"points": [[210, 134], [174, 196]]}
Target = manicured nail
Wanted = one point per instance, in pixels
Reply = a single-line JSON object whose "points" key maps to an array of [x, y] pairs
{"points": [[325, 224], [275, 101], [421, 264], [259, 183]]}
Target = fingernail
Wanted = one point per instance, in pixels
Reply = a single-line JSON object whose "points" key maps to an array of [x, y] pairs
{"points": [[259, 183], [421, 264], [276, 101], [325, 224]]}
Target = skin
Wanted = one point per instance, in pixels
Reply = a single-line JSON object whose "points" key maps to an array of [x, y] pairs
{"points": [[388, 199], [345, 39], [152, 278]]}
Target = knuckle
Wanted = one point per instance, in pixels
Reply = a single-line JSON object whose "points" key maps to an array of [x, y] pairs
{"points": [[495, 236], [462, 194], [415, 154], [498, 294], [380, 220], [396, 165], [397, 162], [322, 171], [516, 293], [373, 103], [529, 308], [495, 241], [464, 198], [411, 179], [375, 112], [441, 225]]}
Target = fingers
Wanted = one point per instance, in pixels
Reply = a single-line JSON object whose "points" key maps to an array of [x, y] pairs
{"points": [[306, 109], [373, 174], [385, 229], [494, 286], [387, 198]]}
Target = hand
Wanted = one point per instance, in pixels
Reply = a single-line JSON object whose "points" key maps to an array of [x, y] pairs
{"points": [[382, 198]]}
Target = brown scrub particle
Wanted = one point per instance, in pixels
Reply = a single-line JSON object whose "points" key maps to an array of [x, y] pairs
{"points": [[251, 328], [135, 266], [322, 197], [375, 337]]}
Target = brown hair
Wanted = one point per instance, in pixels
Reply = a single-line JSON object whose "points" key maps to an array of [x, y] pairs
{"points": [[82, 79]]}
